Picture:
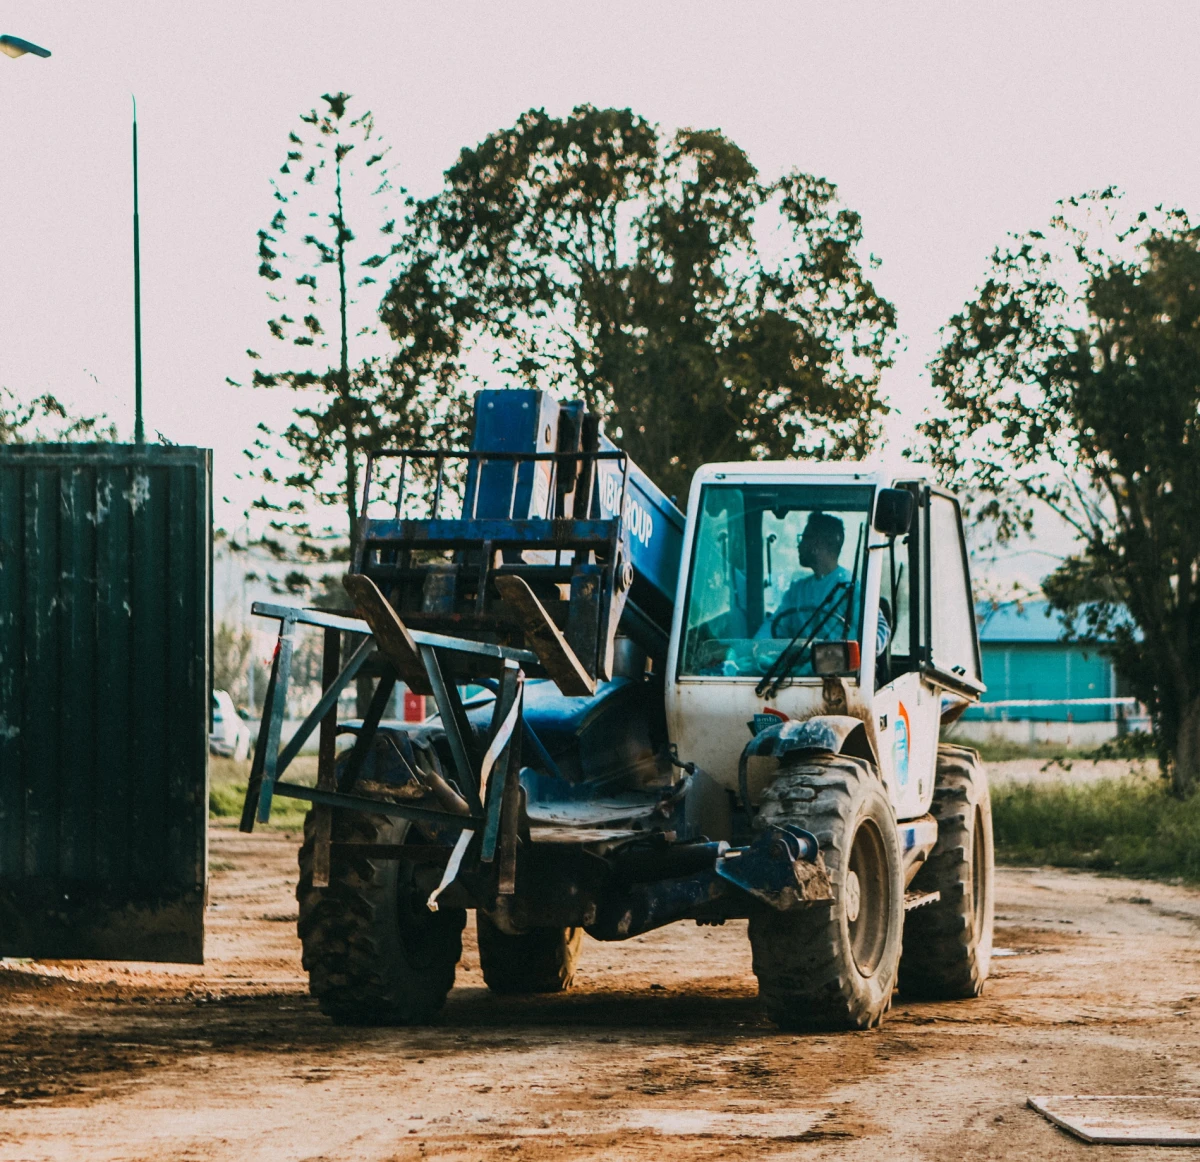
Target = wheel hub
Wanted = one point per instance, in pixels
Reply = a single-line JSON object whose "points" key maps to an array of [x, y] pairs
{"points": [[853, 896], [867, 898]]}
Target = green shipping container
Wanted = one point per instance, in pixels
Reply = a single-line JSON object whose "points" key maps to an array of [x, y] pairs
{"points": [[105, 654]]}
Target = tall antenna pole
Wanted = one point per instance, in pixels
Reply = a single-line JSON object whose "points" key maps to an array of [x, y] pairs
{"points": [[139, 432]]}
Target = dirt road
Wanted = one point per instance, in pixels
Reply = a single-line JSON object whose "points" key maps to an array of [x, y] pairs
{"points": [[659, 1053]]}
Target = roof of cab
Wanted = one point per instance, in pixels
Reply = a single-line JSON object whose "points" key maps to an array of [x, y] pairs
{"points": [[865, 470]]}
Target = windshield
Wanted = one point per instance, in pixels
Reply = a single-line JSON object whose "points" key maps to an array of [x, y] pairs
{"points": [[771, 561]]}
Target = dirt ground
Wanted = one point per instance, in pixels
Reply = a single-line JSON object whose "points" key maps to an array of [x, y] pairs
{"points": [[659, 1052]]}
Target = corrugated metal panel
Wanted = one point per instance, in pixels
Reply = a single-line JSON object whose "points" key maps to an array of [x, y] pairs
{"points": [[105, 647]]}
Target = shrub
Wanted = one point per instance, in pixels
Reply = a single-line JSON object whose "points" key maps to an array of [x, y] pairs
{"points": [[1123, 825]]}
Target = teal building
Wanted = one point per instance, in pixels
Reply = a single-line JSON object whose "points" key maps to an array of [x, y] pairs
{"points": [[1025, 658]]}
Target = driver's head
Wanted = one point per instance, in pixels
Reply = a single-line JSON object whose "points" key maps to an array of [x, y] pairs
{"points": [[820, 544]]}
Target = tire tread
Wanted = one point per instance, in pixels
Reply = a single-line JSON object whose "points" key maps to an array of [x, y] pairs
{"points": [[804, 979], [541, 961], [350, 933], [944, 958]]}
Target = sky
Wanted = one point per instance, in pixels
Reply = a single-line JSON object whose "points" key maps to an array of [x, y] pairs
{"points": [[945, 125]]}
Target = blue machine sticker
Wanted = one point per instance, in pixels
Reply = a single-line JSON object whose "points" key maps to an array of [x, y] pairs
{"points": [[637, 519], [900, 746], [767, 719], [653, 525]]}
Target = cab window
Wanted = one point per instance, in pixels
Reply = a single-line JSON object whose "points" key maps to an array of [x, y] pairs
{"points": [[952, 616], [769, 563]]}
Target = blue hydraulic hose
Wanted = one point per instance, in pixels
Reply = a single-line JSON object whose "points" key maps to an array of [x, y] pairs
{"points": [[535, 743]]}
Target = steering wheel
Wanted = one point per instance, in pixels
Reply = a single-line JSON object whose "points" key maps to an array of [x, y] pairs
{"points": [[709, 655], [784, 611]]}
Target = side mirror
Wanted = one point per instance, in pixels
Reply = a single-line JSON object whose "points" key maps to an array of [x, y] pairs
{"points": [[894, 511]]}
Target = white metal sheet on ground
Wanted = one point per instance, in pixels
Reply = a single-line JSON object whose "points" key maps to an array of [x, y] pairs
{"points": [[1125, 1119]]}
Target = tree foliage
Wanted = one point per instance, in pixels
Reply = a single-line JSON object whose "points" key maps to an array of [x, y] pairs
{"points": [[1073, 380], [232, 646], [708, 313], [47, 418], [335, 242]]}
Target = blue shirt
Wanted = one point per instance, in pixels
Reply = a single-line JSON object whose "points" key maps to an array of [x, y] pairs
{"points": [[805, 596]]}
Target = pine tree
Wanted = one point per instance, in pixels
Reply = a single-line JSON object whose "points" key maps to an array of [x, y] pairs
{"points": [[333, 246]]}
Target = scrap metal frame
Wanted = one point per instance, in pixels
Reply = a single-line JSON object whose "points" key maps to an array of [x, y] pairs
{"points": [[493, 802], [781, 867], [498, 531], [577, 544]]}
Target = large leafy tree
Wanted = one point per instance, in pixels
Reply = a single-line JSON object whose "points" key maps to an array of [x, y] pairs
{"points": [[336, 240], [708, 313], [1073, 380]]}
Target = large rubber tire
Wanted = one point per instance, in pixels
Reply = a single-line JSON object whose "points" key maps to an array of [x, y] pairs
{"points": [[948, 944], [374, 953], [834, 966], [541, 961]]}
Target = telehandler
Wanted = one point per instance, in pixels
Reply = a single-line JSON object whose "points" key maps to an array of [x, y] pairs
{"points": [[641, 718]]}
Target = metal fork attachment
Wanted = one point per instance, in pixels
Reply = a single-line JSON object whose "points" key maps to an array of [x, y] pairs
{"points": [[485, 800]]}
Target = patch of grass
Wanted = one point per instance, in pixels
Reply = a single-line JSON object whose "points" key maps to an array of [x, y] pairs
{"points": [[223, 771], [225, 802], [1129, 826], [227, 782]]}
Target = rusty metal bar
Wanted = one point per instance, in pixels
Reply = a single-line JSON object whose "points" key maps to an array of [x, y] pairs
{"points": [[377, 806], [510, 807], [366, 732], [370, 472], [512, 492], [485, 569], [400, 489], [421, 637], [327, 756], [493, 772], [260, 753], [482, 463], [329, 698], [453, 722], [274, 715], [472, 454], [437, 488]]}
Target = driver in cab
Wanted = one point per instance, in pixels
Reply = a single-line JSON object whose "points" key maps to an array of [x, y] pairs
{"points": [[819, 547]]}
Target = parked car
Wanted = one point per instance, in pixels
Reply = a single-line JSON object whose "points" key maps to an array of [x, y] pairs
{"points": [[230, 736]]}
